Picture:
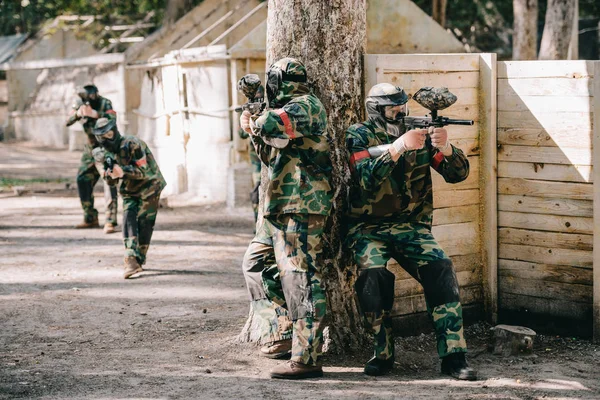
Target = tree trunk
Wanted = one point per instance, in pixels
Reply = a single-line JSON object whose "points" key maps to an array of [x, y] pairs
{"points": [[557, 30], [439, 11], [329, 38], [525, 29]]}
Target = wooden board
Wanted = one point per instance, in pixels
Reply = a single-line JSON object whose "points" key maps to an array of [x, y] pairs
{"points": [[545, 255], [420, 63], [556, 87], [543, 205], [545, 239], [552, 223], [456, 215], [545, 69], [530, 187], [545, 272], [410, 287], [472, 181], [413, 304], [596, 169], [547, 290], [541, 137], [411, 82], [543, 120], [546, 155], [547, 172], [557, 307], [452, 198], [458, 239], [545, 104]]}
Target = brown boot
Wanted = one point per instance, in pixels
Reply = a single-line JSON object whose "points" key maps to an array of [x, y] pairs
{"points": [[278, 349], [131, 267], [109, 228], [86, 225], [296, 370]]}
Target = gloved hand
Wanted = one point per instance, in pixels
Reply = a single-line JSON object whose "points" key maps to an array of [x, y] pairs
{"points": [[245, 121], [411, 140]]}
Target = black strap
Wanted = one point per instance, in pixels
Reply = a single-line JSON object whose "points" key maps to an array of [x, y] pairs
{"points": [[292, 78]]}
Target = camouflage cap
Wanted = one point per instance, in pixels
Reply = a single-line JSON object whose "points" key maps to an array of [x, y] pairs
{"points": [[434, 98], [103, 125], [385, 94], [286, 79]]}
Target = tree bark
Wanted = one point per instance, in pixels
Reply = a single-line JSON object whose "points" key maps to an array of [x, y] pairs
{"points": [[439, 11], [525, 29], [557, 30], [329, 38]]}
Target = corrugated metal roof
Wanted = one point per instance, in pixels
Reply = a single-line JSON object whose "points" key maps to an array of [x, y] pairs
{"points": [[9, 46]]}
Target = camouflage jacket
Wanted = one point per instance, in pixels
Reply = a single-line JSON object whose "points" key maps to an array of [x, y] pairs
{"points": [[299, 173], [103, 106], [254, 160], [396, 191], [141, 175]]}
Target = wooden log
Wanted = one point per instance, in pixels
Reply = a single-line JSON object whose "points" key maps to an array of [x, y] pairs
{"points": [[541, 222], [543, 205], [546, 255], [530, 187], [512, 340], [545, 239], [546, 155], [547, 172], [544, 272]]}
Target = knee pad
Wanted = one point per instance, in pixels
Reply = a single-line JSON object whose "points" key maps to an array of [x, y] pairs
{"points": [[375, 290], [439, 282]]}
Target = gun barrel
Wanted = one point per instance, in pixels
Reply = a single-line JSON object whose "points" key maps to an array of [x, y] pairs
{"points": [[460, 122]]}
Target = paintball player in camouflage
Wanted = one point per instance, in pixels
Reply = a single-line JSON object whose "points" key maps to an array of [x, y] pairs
{"points": [[290, 138], [141, 184], [391, 216], [87, 109]]}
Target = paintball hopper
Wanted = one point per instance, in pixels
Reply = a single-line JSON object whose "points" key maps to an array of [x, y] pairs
{"points": [[434, 98], [249, 85]]}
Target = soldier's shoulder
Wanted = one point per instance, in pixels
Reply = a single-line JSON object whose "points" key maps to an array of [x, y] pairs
{"points": [[359, 129], [132, 142]]}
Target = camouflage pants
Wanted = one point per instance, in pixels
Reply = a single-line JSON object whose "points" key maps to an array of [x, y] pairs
{"points": [[415, 249], [139, 216], [283, 275], [87, 177]]}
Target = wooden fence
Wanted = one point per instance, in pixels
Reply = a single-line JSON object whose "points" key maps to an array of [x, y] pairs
{"points": [[520, 229]]}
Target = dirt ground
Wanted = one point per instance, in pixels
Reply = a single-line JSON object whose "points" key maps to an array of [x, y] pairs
{"points": [[72, 328]]}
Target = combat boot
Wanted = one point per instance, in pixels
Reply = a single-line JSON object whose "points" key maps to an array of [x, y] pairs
{"points": [[109, 228], [377, 366], [278, 349], [86, 225], [456, 366], [131, 267], [296, 370]]}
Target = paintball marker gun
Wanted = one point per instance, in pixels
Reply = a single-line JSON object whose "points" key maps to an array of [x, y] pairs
{"points": [[109, 163], [252, 88], [433, 99]]}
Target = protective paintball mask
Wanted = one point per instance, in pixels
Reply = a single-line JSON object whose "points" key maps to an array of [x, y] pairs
{"points": [[275, 76]]}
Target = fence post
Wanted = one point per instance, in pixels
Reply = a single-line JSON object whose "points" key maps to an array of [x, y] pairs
{"points": [[488, 81], [596, 198]]}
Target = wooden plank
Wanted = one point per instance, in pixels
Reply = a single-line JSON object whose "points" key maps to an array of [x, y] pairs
{"points": [[411, 82], [458, 239], [414, 304], [546, 255], [545, 272], [472, 181], [531, 187], [555, 308], [410, 287], [547, 172], [547, 290], [541, 222], [426, 63], [545, 104], [546, 155], [545, 239], [596, 178], [540, 120], [453, 198], [456, 215], [556, 87], [541, 137], [545, 69], [542, 205], [463, 131]]}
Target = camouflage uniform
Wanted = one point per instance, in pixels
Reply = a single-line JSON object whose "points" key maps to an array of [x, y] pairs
{"points": [[89, 171], [256, 166], [390, 217], [140, 188], [297, 203]]}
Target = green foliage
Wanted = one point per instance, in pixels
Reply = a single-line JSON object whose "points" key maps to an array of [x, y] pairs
{"points": [[10, 182]]}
